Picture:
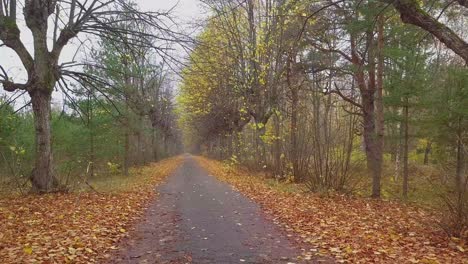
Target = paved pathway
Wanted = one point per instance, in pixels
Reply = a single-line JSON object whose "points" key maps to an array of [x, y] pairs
{"points": [[198, 219]]}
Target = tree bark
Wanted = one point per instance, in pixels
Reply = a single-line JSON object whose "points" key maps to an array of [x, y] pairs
{"points": [[411, 13], [373, 138], [461, 164], [399, 150], [278, 169], [154, 143], [92, 155], [427, 152], [126, 161], [294, 147], [92, 149], [379, 104], [166, 146], [42, 178], [372, 148], [405, 150], [13, 10]]}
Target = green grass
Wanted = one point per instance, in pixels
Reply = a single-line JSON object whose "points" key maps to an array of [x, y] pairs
{"points": [[285, 187]]}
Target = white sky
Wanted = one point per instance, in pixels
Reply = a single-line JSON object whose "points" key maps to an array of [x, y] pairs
{"points": [[185, 12]]}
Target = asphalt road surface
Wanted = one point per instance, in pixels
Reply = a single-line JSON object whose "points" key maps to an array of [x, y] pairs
{"points": [[198, 219]]}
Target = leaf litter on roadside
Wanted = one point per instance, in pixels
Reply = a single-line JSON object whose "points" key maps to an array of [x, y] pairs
{"points": [[75, 227], [350, 229]]}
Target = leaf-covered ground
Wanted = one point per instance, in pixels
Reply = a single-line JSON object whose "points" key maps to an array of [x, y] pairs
{"points": [[352, 230], [77, 227]]}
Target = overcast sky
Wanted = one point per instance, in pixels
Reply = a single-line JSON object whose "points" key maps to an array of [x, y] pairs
{"points": [[185, 12]]}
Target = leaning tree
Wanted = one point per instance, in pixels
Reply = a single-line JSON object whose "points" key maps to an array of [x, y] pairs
{"points": [[68, 19], [411, 12]]}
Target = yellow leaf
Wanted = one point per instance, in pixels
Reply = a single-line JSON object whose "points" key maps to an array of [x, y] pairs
{"points": [[72, 250], [28, 250]]}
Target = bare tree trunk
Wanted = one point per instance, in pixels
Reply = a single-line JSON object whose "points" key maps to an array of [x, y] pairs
{"points": [[126, 161], [405, 150], [379, 104], [260, 148], [372, 141], [373, 149], [461, 164], [166, 146], [379, 107], [92, 155], [399, 150], [43, 179], [140, 152], [13, 9], [154, 144], [427, 152], [372, 137], [294, 147], [278, 169]]}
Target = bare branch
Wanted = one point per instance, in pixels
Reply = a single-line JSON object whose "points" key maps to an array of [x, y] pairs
{"points": [[343, 96]]}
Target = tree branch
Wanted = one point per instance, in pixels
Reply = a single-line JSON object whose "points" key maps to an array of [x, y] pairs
{"points": [[463, 3], [411, 13], [10, 36], [344, 97], [11, 86]]}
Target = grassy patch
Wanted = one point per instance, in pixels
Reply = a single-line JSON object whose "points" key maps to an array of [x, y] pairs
{"points": [[282, 186]]}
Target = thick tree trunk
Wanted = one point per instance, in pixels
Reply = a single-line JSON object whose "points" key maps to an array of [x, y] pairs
{"points": [[373, 114], [372, 147], [42, 178]]}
